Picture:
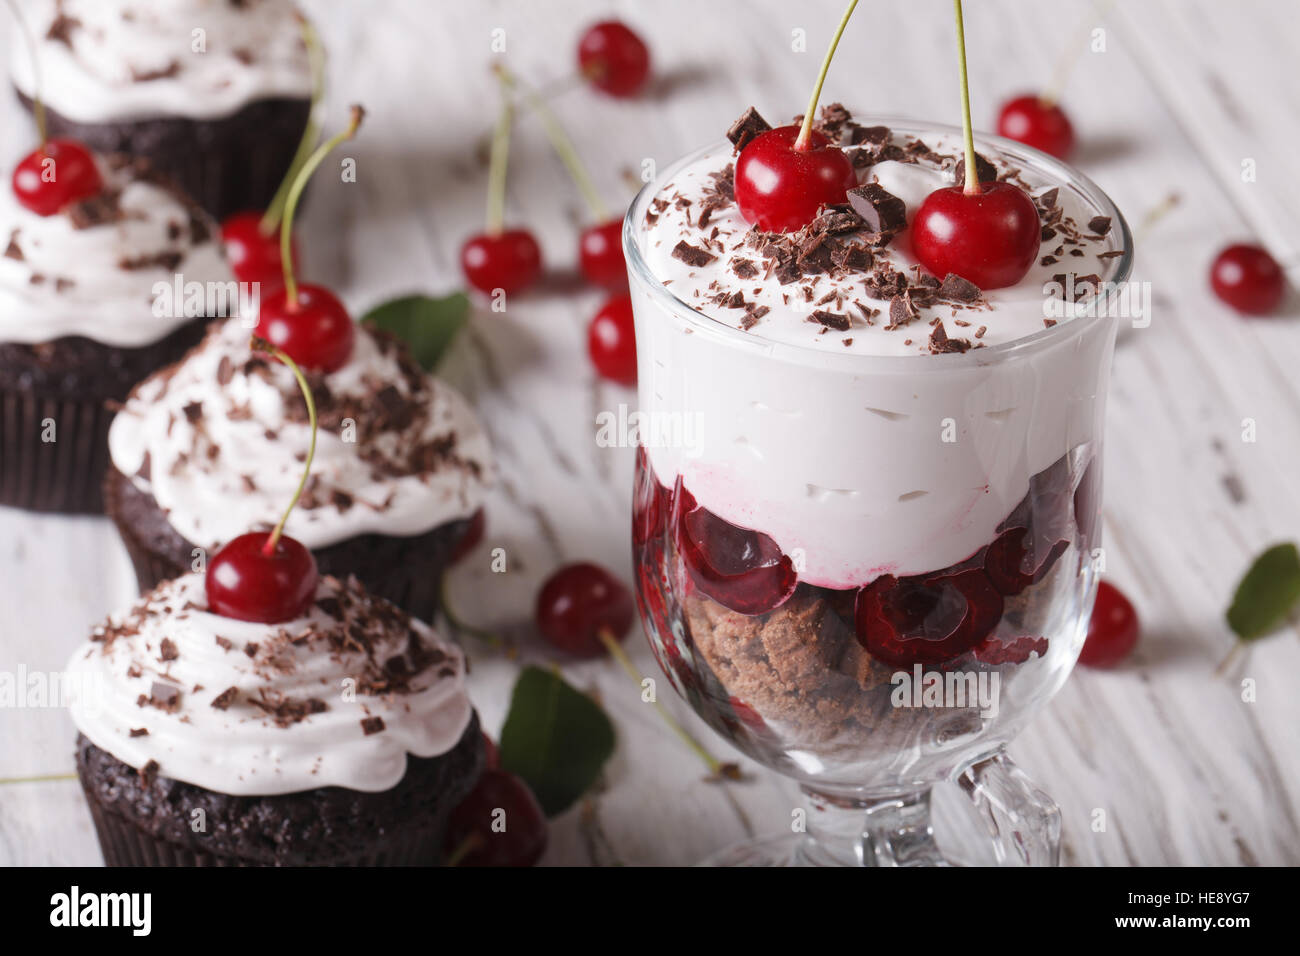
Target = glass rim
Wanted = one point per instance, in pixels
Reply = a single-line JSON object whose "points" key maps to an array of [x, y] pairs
{"points": [[1054, 169]]}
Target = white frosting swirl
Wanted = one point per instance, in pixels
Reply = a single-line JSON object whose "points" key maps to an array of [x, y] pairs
{"points": [[122, 60], [232, 463], [101, 280], [316, 689]]}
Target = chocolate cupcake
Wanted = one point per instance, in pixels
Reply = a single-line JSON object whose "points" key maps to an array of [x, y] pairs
{"points": [[215, 93], [89, 307], [344, 737], [212, 447]]}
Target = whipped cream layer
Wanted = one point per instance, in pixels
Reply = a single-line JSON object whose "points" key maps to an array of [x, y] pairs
{"points": [[219, 440], [124, 60], [97, 267], [858, 451], [337, 697], [1004, 315]]}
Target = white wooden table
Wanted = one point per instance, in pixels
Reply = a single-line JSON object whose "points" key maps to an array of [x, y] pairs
{"points": [[1185, 91]]}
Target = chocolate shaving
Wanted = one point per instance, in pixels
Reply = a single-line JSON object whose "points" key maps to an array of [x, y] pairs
{"points": [[939, 341], [1099, 225], [985, 171], [149, 773], [164, 696], [955, 287], [139, 731], [749, 125], [692, 255], [227, 697], [372, 725], [167, 650], [830, 320], [880, 210]]}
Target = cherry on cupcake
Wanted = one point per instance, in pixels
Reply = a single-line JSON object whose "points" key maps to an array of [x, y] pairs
{"points": [[1038, 122], [55, 175], [500, 823], [741, 569], [267, 578], [308, 322], [1112, 630], [1247, 278], [611, 341], [987, 233], [784, 175], [582, 609], [613, 58], [498, 258]]}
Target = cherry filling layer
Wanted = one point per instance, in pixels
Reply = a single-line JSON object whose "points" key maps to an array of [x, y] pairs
{"points": [[928, 619]]}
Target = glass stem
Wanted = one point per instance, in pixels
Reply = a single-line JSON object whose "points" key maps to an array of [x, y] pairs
{"points": [[891, 830]]}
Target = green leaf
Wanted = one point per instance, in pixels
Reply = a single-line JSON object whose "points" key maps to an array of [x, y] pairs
{"points": [[1267, 594], [556, 738], [426, 325]]}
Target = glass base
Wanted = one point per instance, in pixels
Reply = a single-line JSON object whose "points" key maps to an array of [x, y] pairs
{"points": [[1018, 825]]}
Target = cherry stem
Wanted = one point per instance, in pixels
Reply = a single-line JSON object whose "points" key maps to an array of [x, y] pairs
{"points": [[1065, 65], [261, 345], [295, 193], [460, 626], [972, 175], [42, 778], [1154, 215], [1231, 658], [311, 133], [804, 141], [498, 162], [38, 103], [467, 846], [560, 140], [716, 766]]}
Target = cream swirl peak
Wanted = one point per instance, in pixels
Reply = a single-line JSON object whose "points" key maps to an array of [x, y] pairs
{"points": [[123, 60], [218, 439], [95, 268], [849, 281], [338, 697]]}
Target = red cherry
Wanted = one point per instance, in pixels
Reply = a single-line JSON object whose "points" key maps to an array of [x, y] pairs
{"points": [[927, 619], [317, 333], [1248, 279], [253, 255], [247, 584], [491, 755], [611, 341], [498, 798], [651, 502], [780, 188], [1112, 629], [614, 58], [1028, 120], [472, 536], [600, 252], [60, 172], [508, 261], [741, 569], [579, 602], [990, 238]]}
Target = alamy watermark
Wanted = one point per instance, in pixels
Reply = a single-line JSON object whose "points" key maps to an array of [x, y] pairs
{"points": [[623, 428], [947, 689]]}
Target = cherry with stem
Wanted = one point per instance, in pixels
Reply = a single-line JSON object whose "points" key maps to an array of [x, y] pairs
{"points": [[785, 175], [308, 321], [58, 172], [987, 233], [498, 258], [585, 611], [268, 578], [252, 239], [600, 251]]}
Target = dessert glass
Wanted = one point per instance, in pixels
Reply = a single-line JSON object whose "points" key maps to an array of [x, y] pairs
{"points": [[963, 492]]}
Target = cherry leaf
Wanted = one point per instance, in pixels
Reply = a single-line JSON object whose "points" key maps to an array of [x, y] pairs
{"points": [[425, 324], [1267, 594], [556, 738]]}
